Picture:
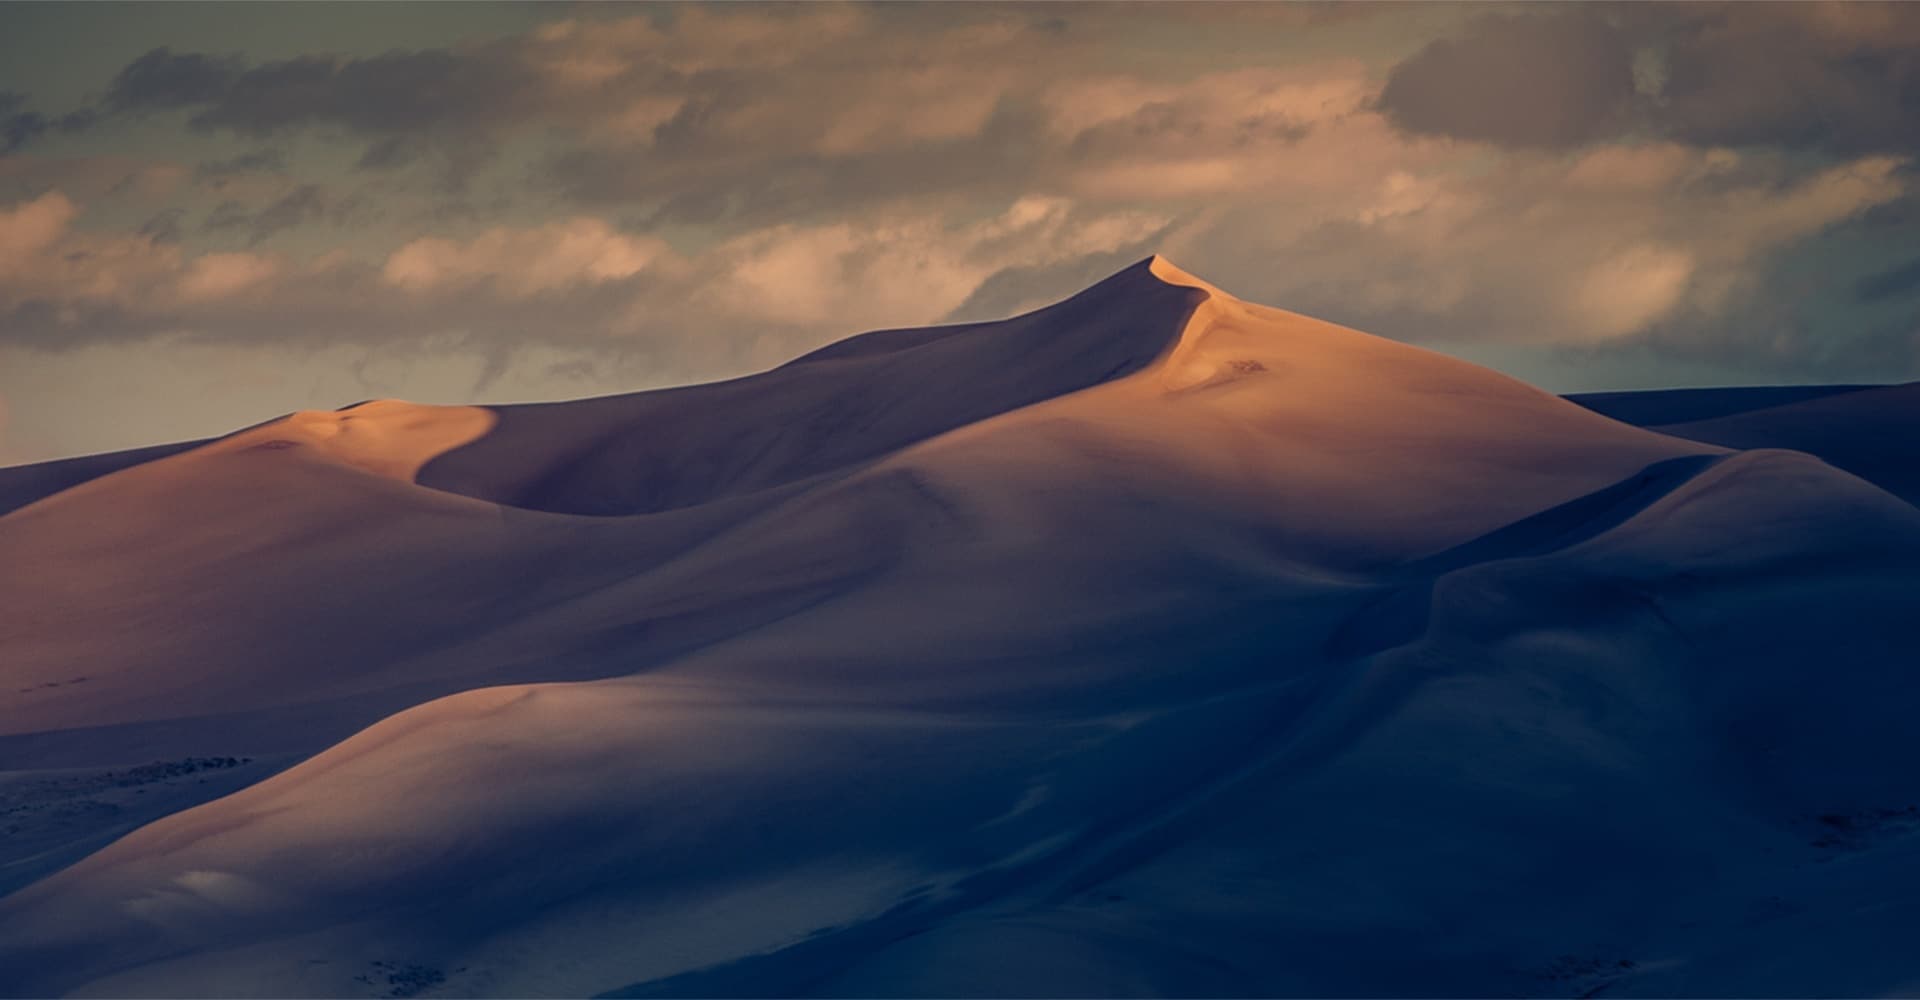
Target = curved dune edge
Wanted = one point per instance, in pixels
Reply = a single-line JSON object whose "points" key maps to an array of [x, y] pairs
{"points": [[390, 438], [701, 766], [387, 437], [408, 441], [1090, 687], [1271, 436], [823, 415]]}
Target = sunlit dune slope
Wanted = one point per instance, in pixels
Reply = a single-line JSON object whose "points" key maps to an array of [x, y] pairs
{"points": [[294, 563], [23, 484], [1619, 716], [1156, 643], [387, 437], [270, 569], [848, 403]]}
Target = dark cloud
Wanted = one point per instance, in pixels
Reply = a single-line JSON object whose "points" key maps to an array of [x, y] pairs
{"points": [[390, 153], [1551, 80], [164, 227], [17, 130], [304, 204], [19, 126], [161, 81], [741, 124], [1834, 78], [268, 160], [433, 104], [226, 215], [455, 159], [743, 90], [1839, 79], [397, 92], [704, 185]]}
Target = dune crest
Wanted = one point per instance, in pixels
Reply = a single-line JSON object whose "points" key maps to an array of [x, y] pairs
{"points": [[387, 437], [1152, 643]]}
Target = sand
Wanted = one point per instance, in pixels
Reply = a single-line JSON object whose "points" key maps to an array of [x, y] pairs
{"points": [[1154, 643]]}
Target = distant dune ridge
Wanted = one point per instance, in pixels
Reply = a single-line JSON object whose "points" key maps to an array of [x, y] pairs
{"points": [[1153, 643]]}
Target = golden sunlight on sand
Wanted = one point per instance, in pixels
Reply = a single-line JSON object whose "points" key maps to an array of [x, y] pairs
{"points": [[387, 437]]}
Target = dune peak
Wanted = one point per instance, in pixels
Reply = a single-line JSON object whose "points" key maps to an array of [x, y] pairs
{"points": [[1173, 274], [388, 437]]}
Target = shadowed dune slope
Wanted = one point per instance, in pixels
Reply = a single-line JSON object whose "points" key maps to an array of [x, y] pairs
{"points": [[295, 563], [844, 403], [1870, 433], [1656, 407], [1156, 643], [841, 405], [1866, 430], [1159, 802]]}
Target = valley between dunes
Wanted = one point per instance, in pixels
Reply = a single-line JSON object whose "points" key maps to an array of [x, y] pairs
{"points": [[1153, 643]]}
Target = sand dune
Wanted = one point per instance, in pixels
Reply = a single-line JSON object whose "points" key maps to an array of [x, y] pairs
{"points": [[277, 542], [388, 437], [1657, 407], [21, 485], [1153, 643], [1866, 430], [825, 412]]}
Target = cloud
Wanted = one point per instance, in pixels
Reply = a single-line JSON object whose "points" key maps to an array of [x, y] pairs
{"points": [[389, 93], [732, 184], [61, 285], [222, 275], [736, 113], [435, 104], [522, 263], [901, 271], [303, 204], [1023, 287], [566, 72], [29, 228], [17, 126], [268, 160], [160, 80], [163, 227], [748, 302], [20, 126], [1842, 79], [1839, 78], [698, 125], [92, 178], [1533, 251], [1552, 80], [576, 370], [1627, 291]]}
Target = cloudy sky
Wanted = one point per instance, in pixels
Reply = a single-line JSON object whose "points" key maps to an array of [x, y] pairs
{"points": [[212, 214]]}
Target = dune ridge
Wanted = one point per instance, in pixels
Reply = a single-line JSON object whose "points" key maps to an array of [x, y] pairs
{"points": [[1156, 642]]}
